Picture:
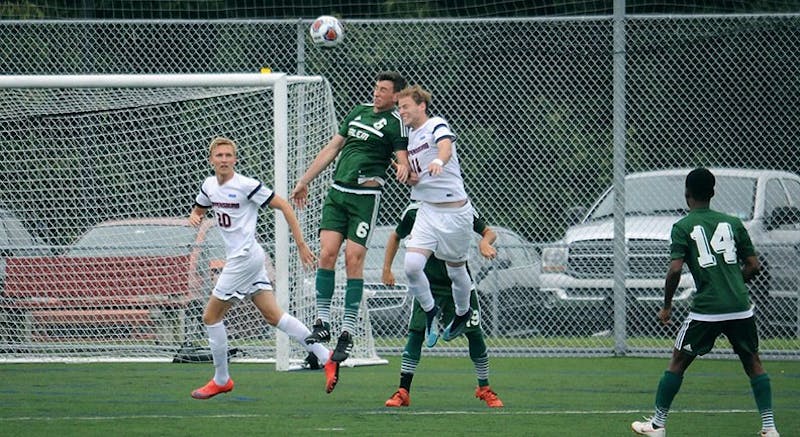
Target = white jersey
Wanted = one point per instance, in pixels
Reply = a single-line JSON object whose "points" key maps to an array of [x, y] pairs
{"points": [[235, 206], [448, 186]]}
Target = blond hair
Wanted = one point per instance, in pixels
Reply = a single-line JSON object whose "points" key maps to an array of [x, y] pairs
{"points": [[221, 141], [416, 93]]}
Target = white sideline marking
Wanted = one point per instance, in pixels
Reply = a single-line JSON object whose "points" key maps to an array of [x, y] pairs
{"points": [[392, 411], [553, 413]]}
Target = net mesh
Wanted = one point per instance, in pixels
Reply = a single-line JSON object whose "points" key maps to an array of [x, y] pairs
{"points": [[530, 100], [107, 177]]}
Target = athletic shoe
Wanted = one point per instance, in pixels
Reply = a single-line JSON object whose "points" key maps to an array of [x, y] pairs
{"points": [[646, 428], [400, 398], [457, 326], [311, 362], [331, 374], [212, 389], [487, 395], [771, 432], [343, 347], [320, 332], [431, 333]]}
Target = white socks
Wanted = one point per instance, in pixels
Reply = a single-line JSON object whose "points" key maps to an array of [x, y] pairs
{"points": [[418, 285], [298, 331], [462, 285], [218, 341]]}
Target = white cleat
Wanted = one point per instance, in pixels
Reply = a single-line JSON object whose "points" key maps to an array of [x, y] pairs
{"points": [[646, 428]]}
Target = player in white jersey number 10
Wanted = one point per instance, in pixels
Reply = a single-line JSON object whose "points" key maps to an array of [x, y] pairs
{"points": [[235, 200]]}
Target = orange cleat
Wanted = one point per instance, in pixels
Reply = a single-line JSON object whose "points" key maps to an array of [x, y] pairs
{"points": [[487, 395], [212, 389], [400, 398], [331, 374]]}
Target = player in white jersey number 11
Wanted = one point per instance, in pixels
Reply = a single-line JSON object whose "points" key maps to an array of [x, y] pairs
{"points": [[444, 222]]}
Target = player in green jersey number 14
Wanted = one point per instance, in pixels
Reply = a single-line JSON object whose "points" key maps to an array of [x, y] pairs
{"points": [[712, 244]]}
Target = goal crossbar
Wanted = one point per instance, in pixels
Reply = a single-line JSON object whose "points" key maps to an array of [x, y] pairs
{"points": [[150, 80]]}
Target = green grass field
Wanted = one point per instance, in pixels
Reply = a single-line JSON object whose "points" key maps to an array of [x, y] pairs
{"points": [[543, 397]]}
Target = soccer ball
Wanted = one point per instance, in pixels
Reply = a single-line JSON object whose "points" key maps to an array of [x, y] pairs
{"points": [[326, 31]]}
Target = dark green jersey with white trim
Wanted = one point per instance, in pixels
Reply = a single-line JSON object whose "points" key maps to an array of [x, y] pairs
{"points": [[713, 245], [370, 140]]}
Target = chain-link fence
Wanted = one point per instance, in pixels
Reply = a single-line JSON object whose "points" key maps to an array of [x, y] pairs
{"points": [[531, 103]]}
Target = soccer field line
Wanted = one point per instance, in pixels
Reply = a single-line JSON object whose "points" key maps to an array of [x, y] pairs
{"points": [[555, 413], [386, 412]]}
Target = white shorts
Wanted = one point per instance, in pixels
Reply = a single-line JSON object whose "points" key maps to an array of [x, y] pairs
{"points": [[243, 275], [444, 231]]}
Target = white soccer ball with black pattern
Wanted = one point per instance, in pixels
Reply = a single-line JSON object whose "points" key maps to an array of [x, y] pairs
{"points": [[326, 31]]}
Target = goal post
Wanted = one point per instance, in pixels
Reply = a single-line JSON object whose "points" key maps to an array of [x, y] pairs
{"points": [[117, 156]]}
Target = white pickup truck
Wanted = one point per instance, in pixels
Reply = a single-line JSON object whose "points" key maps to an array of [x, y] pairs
{"points": [[578, 270]]}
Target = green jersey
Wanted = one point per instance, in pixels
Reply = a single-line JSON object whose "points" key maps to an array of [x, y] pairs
{"points": [[435, 269], [713, 244], [370, 140]]}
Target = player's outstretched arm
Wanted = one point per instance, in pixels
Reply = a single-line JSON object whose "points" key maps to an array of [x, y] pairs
{"points": [[326, 156], [445, 146], [307, 257]]}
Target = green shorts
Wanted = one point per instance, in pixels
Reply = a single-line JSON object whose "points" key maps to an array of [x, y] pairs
{"points": [[447, 311], [697, 337], [351, 212]]}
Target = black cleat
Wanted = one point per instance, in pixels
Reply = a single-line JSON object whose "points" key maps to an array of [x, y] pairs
{"points": [[320, 332], [343, 347], [311, 362], [457, 326]]}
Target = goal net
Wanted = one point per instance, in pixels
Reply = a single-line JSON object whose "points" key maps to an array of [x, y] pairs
{"points": [[100, 172]]}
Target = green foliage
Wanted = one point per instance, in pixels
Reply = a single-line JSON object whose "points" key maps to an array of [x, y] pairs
{"points": [[543, 396], [21, 11]]}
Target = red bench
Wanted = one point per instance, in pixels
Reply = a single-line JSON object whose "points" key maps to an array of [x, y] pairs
{"points": [[63, 298], [69, 325]]}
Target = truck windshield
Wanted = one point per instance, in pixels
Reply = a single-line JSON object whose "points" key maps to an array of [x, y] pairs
{"points": [[129, 240], [663, 195]]}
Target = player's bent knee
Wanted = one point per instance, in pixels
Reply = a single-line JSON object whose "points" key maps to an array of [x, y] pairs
{"points": [[414, 264]]}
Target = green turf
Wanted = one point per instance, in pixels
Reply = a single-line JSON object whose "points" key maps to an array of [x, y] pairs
{"points": [[543, 397], [662, 343]]}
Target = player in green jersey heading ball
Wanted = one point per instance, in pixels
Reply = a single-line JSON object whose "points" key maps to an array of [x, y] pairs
{"points": [[365, 143]]}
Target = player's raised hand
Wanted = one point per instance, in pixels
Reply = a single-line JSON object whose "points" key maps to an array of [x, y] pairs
{"points": [[299, 195]]}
